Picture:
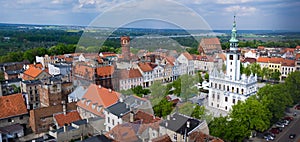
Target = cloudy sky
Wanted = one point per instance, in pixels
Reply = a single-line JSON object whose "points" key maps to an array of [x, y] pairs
{"points": [[217, 14]]}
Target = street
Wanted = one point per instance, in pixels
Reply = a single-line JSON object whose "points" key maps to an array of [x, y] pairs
{"points": [[293, 128]]}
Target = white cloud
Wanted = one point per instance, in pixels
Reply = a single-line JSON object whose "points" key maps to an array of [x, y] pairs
{"points": [[232, 1], [241, 10]]}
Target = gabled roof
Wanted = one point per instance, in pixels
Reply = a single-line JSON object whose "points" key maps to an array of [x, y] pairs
{"points": [[105, 71], [270, 60], [131, 73], [98, 96], [119, 109], [145, 117], [210, 41], [67, 118], [126, 132], [12, 105], [146, 66], [199, 136], [178, 123], [33, 72], [187, 55]]}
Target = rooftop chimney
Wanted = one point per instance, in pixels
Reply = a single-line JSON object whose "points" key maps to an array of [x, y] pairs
{"points": [[65, 127]]}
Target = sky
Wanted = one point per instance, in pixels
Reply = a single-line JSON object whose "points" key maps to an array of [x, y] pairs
{"points": [[214, 14]]}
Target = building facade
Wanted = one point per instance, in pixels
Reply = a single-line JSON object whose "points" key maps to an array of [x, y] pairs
{"points": [[227, 89]]}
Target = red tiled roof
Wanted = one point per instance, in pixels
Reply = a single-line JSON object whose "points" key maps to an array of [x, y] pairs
{"points": [[12, 105], [288, 63], [124, 132], [271, 60], [84, 70], [188, 55], [98, 96], [298, 56], [33, 72], [145, 117], [250, 60], [282, 61], [146, 66], [199, 136], [70, 117], [210, 41], [163, 138], [298, 47], [105, 71], [132, 73]]}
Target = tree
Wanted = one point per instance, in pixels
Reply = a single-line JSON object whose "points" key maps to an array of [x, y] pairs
{"points": [[264, 72], [127, 92], [247, 71], [206, 76], [139, 91], [200, 77], [158, 90], [163, 108], [255, 68], [198, 112], [251, 114], [292, 85], [275, 75], [276, 99], [187, 86]]}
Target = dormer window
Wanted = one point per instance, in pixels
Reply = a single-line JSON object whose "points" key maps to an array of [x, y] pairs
{"points": [[88, 102]]}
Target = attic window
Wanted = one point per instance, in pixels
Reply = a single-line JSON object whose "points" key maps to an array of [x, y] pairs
{"points": [[99, 108], [88, 102], [231, 57]]}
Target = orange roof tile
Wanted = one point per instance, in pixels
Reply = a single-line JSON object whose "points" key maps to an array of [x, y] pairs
{"points": [[298, 47], [198, 136], [12, 105], [33, 72], [146, 66], [188, 55], [70, 117], [99, 96], [132, 73], [84, 70], [105, 71], [271, 60]]}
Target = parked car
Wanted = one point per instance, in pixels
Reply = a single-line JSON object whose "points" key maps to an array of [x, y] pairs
{"points": [[284, 122], [289, 118], [297, 107], [274, 131], [279, 128], [278, 124], [292, 136], [268, 136]]}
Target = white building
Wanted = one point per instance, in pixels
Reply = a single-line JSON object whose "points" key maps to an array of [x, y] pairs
{"points": [[187, 60], [114, 115], [227, 89]]}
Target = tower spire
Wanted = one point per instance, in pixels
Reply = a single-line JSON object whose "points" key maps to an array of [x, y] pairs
{"points": [[233, 40]]}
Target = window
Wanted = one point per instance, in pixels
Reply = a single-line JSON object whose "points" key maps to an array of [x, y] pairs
{"points": [[238, 57], [233, 101], [216, 85], [9, 120], [21, 117], [227, 88], [218, 105], [213, 96], [242, 91], [230, 63], [223, 87], [212, 104], [225, 107], [220, 86], [113, 122], [218, 97], [230, 57], [108, 120], [232, 89], [237, 90], [230, 70], [175, 137], [226, 99]]}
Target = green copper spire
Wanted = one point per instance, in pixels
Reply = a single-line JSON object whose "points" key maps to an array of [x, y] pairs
{"points": [[233, 34]]}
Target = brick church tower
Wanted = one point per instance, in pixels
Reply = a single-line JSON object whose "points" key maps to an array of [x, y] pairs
{"points": [[125, 43]]}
